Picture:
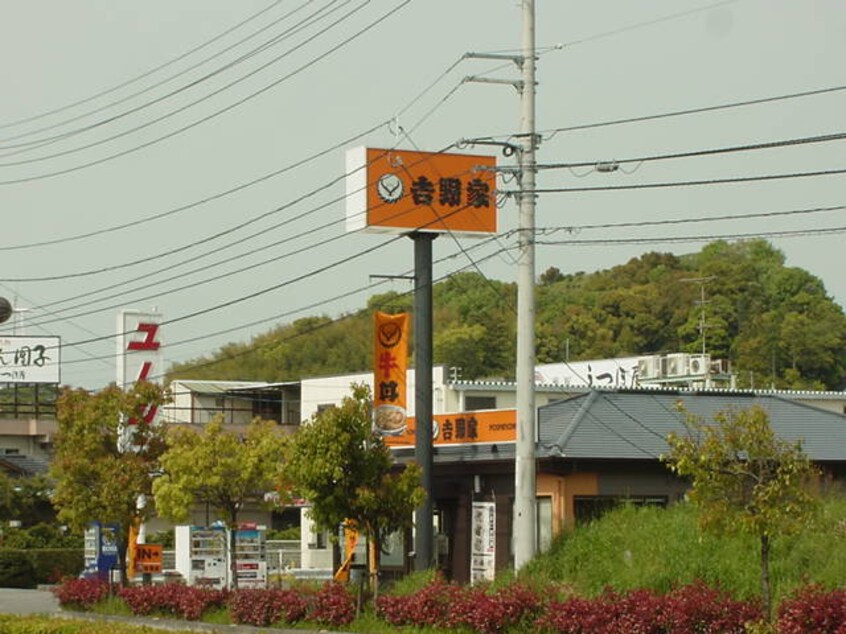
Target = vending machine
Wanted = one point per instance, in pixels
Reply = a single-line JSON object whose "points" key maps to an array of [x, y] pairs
{"points": [[101, 551], [251, 556], [201, 555]]}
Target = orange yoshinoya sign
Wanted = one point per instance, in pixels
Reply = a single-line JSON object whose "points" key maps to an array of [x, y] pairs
{"points": [[396, 191], [390, 359], [492, 426]]}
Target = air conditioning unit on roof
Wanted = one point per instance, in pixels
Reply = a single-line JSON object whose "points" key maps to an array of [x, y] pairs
{"points": [[699, 365], [675, 365], [649, 368]]}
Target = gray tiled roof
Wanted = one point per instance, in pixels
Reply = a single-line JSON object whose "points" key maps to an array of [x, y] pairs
{"points": [[633, 424]]}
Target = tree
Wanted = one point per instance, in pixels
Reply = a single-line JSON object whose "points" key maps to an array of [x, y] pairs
{"points": [[347, 474], [745, 478], [97, 477], [220, 468]]}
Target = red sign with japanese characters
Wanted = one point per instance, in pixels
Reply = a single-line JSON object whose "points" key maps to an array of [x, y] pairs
{"points": [[390, 358]]}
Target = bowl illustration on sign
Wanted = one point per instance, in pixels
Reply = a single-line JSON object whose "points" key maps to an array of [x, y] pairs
{"points": [[389, 419]]}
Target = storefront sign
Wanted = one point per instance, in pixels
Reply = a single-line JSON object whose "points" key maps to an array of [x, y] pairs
{"points": [[390, 358], [148, 558], [29, 359], [463, 428], [394, 191]]}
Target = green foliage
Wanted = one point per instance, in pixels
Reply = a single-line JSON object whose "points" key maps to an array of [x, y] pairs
{"points": [[99, 474], [344, 470], [16, 569], [40, 536], [775, 323], [26, 500], [218, 467], [659, 549], [744, 478]]}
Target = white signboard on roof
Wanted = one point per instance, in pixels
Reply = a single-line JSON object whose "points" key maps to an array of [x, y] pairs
{"points": [[29, 359], [614, 373]]}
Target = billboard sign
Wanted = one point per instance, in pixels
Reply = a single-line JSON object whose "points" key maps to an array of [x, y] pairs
{"points": [[463, 428], [398, 191], [29, 359]]}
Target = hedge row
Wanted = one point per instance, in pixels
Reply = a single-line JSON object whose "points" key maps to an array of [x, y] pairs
{"points": [[514, 608], [28, 568]]}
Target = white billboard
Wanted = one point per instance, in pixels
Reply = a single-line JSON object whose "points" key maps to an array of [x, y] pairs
{"points": [[29, 359]]}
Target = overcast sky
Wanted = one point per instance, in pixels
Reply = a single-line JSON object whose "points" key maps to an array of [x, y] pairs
{"points": [[149, 150]]}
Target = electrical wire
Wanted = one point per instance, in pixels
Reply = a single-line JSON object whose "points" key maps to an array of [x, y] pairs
{"points": [[184, 107], [216, 113], [143, 75], [39, 143], [680, 221], [692, 183], [823, 138], [794, 233]]}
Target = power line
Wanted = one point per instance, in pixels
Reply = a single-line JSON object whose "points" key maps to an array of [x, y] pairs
{"points": [[824, 138], [692, 183], [191, 104], [143, 75], [679, 221], [794, 233], [217, 113], [38, 143]]}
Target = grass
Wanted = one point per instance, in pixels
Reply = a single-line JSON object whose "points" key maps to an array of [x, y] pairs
{"points": [[661, 548]]}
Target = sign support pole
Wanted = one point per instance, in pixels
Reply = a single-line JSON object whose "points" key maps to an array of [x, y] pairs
{"points": [[525, 520], [424, 535]]}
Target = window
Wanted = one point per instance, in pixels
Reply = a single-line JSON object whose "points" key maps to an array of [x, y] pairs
{"points": [[473, 403], [324, 406], [544, 523], [587, 508]]}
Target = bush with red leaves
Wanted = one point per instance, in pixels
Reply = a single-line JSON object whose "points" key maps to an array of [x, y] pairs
{"points": [[813, 610], [80, 593], [261, 607], [172, 599]]}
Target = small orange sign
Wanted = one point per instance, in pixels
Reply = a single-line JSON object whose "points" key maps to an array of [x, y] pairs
{"points": [[396, 191], [463, 428], [148, 558]]}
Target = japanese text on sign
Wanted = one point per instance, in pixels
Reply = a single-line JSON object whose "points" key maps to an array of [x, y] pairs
{"points": [[29, 359]]}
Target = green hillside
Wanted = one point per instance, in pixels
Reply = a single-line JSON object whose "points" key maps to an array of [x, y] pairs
{"points": [[776, 324]]}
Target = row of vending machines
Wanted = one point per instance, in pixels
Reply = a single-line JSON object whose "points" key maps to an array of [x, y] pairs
{"points": [[203, 556]]}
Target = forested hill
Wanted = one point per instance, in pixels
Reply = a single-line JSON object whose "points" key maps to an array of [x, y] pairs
{"points": [[775, 323]]}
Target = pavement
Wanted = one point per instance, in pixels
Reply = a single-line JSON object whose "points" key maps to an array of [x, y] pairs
{"points": [[42, 601]]}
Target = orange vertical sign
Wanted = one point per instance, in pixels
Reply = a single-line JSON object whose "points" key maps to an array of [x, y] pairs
{"points": [[390, 358]]}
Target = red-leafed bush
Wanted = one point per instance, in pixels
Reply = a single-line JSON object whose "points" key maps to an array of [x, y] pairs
{"points": [[265, 607], [428, 606], [813, 610], [694, 608], [332, 605], [80, 593], [183, 601], [489, 612]]}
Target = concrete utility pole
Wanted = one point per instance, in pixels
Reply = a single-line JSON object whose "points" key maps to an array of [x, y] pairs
{"points": [[424, 544], [525, 520]]}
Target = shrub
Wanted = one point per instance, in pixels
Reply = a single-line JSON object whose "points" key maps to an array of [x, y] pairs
{"points": [[16, 570], [813, 610], [265, 607], [172, 599], [332, 605], [429, 605], [694, 608], [53, 564], [489, 612], [80, 593]]}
